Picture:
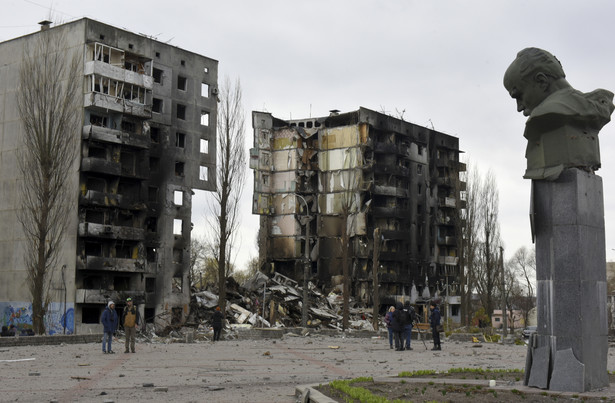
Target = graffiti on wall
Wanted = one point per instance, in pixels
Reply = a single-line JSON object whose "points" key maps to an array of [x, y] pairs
{"points": [[60, 317]]}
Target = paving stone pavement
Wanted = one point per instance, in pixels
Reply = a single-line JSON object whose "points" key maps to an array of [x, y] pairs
{"points": [[265, 370]]}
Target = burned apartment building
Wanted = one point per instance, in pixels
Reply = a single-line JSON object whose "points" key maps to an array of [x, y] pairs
{"points": [[147, 140], [357, 172]]}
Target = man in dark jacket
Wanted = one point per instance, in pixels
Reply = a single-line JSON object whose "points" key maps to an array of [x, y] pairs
{"points": [[435, 323], [397, 324], [408, 319], [217, 323], [109, 321]]}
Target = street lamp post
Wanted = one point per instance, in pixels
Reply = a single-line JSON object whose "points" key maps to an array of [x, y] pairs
{"points": [[306, 263]]}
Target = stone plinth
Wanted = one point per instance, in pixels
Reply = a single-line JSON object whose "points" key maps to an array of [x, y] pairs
{"points": [[569, 350]]}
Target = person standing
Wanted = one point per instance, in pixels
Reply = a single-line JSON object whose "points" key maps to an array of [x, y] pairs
{"points": [[435, 324], [131, 318], [217, 323], [408, 319], [109, 321], [388, 319], [398, 327]]}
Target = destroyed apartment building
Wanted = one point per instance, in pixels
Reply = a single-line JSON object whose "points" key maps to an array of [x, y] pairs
{"points": [[147, 140], [322, 183]]}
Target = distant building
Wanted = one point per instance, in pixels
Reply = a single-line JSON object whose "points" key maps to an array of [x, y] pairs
{"points": [[148, 139], [514, 318], [367, 170]]}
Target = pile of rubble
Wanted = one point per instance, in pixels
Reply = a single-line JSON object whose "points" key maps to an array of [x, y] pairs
{"points": [[275, 302]]}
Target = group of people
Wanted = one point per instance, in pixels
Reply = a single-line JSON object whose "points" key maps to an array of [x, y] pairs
{"points": [[401, 318], [131, 319]]}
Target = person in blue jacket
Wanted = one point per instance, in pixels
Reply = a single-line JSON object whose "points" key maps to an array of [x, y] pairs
{"points": [[109, 321], [435, 323]]}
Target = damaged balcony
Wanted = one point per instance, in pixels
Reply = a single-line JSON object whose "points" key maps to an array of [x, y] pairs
{"points": [[100, 68], [113, 264], [103, 134], [97, 296], [100, 165], [104, 199], [88, 229]]}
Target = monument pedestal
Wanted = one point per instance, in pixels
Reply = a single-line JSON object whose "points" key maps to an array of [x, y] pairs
{"points": [[569, 350]]}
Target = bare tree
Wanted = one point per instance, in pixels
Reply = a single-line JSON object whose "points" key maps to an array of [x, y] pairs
{"points": [[487, 267], [230, 174], [523, 266], [47, 100], [471, 240], [198, 249]]}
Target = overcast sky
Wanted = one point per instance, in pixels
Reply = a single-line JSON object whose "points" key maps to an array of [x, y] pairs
{"points": [[441, 62]]}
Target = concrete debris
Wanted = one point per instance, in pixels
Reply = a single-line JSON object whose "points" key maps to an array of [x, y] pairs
{"points": [[276, 301]]}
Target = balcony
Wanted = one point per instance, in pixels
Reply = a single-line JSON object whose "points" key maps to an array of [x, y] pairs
{"points": [[118, 73], [96, 198], [88, 229], [107, 135], [114, 264], [447, 240], [99, 165], [448, 260], [88, 296], [106, 102], [390, 191], [447, 202]]}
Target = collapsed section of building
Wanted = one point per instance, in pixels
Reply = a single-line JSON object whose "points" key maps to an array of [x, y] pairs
{"points": [[324, 186], [148, 139]]}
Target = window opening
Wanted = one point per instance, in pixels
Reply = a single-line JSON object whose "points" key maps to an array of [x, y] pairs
{"points": [[181, 111], [178, 255], [152, 194], [205, 90], [157, 105], [177, 288], [182, 83], [204, 146], [204, 118], [150, 284], [180, 140], [179, 169], [203, 173], [177, 226], [154, 134], [178, 197], [157, 74]]}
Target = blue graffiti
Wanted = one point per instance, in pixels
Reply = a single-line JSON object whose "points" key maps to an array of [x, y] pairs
{"points": [[60, 318]]}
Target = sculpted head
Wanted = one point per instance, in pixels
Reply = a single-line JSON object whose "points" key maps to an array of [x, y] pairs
{"points": [[532, 77]]}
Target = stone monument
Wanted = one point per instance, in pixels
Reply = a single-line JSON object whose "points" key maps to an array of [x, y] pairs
{"points": [[569, 350]]}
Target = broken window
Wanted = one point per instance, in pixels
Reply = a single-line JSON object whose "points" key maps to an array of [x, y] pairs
{"points": [[97, 120], [93, 216], [152, 194], [203, 173], [204, 118], [150, 284], [128, 126], [180, 140], [205, 90], [183, 62], [127, 161], [123, 251], [205, 70], [178, 197], [265, 180], [154, 134], [177, 226], [125, 219], [150, 315], [177, 286], [151, 224], [181, 111], [97, 151], [178, 255], [93, 249], [204, 149], [419, 169], [90, 314], [121, 283], [151, 254], [97, 184], [157, 74], [157, 105], [128, 189], [179, 168], [154, 164], [182, 83]]}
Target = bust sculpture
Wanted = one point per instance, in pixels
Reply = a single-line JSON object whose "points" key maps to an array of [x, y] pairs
{"points": [[563, 123]]}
